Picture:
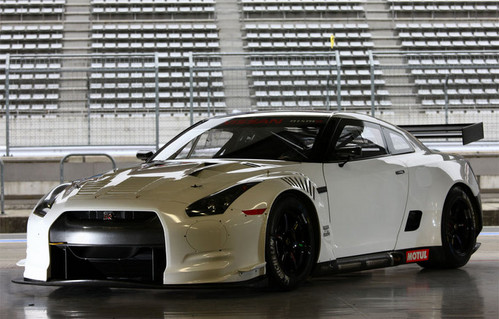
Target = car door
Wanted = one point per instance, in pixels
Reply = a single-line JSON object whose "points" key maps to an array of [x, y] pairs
{"points": [[367, 189]]}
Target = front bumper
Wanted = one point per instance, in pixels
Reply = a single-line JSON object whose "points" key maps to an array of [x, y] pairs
{"points": [[63, 249]]}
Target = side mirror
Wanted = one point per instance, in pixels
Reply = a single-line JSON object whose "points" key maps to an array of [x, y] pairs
{"points": [[348, 153], [144, 155]]}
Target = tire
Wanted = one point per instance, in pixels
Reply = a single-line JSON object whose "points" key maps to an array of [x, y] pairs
{"points": [[290, 246], [458, 232]]}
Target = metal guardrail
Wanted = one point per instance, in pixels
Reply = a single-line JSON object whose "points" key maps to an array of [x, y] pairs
{"points": [[381, 83], [61, 164]]}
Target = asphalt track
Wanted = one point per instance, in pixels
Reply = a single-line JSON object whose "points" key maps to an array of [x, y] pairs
{"points": [[399, 292]]}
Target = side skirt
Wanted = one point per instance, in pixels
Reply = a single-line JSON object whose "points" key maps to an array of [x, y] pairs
{"points": [[372, 261]]}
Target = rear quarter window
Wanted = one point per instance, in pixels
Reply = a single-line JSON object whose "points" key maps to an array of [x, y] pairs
{"points": [[397, 143]]}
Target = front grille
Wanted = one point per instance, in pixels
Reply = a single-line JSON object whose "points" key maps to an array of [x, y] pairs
{"points": [[108, 245], [110, 215]]}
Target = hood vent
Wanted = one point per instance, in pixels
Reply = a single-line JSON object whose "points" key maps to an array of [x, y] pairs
{"points": [[131, 186], [198, 169], [128, 187], [223, 167], [92, 187]]}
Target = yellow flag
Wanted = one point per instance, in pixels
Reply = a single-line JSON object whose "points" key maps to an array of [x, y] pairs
{"points": [[332, 41]]}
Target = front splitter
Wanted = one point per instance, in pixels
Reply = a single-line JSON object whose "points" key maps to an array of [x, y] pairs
{"points": [[256, 282]]}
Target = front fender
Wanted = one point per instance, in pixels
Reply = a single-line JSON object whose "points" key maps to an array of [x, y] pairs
{"points": [[268, 191]]}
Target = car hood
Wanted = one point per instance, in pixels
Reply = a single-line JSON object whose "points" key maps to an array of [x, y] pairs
{"points": [[180, 181]]}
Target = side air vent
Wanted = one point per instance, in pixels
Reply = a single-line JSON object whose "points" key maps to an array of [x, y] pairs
{"points": [[413, 220]]}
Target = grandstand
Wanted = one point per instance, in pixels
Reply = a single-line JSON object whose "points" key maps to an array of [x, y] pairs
{"points": [[107, 70]]}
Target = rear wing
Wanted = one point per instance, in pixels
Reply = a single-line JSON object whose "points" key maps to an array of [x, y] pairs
{"points": [[467, 132]]}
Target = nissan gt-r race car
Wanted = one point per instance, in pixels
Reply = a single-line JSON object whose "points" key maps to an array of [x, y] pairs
{"points": [[280, 196]]}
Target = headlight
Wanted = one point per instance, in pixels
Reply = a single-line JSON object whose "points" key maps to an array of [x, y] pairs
{"points": [[48, 200], [217, 203]]}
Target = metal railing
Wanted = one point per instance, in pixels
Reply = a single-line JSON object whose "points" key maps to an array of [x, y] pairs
{"points": [[145, 99], [61, 163]]}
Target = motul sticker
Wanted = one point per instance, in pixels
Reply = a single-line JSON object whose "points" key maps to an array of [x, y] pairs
{"points": [[417, 255]]}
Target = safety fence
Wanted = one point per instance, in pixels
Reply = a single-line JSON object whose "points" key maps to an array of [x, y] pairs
{"points": [[145, 99]]}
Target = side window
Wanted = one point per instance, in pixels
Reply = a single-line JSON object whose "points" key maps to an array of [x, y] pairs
{"points": [[366, 136], [397, 143]]}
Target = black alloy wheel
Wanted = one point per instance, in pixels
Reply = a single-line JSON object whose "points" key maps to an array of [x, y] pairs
{"points": [[458, 232], [459, 229], [291, 245]]}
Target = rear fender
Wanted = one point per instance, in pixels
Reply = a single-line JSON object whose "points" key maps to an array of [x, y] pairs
{"points": [[430, 183]]}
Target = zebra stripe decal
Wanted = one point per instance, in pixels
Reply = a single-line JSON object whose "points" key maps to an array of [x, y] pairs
{"points": [[302, 183]]}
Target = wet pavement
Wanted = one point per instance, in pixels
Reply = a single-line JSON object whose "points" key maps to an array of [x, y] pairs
{"points": [[400, 292]]}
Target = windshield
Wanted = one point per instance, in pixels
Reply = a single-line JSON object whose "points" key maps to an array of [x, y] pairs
{"points": [[275, 138]]}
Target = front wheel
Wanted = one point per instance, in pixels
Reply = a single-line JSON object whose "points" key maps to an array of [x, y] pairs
{"points": [[290, 248], [458, 232]]}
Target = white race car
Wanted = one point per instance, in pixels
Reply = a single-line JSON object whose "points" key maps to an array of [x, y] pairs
{"points": [[281, 196]]}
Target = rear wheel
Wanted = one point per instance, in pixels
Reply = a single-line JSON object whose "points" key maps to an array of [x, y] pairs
{"points": [[458, 232], [290, 244]]}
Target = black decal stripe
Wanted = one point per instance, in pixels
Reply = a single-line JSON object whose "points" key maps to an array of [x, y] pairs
{"points": [[302, 183]]}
